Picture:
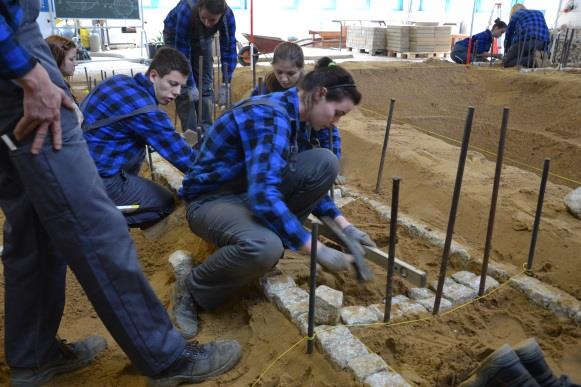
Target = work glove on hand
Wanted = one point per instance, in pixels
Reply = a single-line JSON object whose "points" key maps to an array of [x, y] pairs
{"points": [[192, 93], [358, 236], [331, 259], [340, 180], [223, 95]]}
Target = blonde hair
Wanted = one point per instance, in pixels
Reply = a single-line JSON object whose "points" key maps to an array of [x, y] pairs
{"points": [[516, 7]]}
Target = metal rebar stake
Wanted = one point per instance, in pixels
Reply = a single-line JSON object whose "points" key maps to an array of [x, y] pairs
{"points": [[332, 151], [253, 63], [131, 70], [385, 142], [454, 209], [495, 188], [538, 214], [200, 89], [151, 168], [87, 78], [312, 285], [391, 250], [260, 86]]}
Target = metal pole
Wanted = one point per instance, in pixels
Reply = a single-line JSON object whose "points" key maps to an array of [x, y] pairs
{"points": [[260, 86], [471, 30], [151, 169], [385, 142], [544, 179], [454, 208], [227, 82], [312, 285], [101, 74], [569, 47], [495, 188], [131, 73], [391, 250], [332, 151], [94, 82], [200, 88], [87, 78], [253, 64]]}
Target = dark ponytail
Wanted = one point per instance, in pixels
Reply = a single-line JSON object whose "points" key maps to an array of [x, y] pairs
{"points": [[499, 24], [338, 82]]}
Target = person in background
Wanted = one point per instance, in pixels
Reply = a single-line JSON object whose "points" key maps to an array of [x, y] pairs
{"points": [[190, 28], [481, 44], [64, 52], [58, 214], [527, 38], [253, 184], [288, 63], [122, 117]]}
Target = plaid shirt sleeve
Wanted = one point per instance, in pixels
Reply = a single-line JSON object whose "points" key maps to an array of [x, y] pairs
{"points": [[178, 25], [15, 61], [326, 207], [228, 51], [156, 129], [265, 163]]}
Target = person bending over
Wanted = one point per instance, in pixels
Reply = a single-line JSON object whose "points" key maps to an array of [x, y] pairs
{"points": [[255, 181], [527, 37], [190, 28], [122, 117], [481, 44]]}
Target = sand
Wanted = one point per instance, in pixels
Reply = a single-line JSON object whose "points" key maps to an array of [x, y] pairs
{"points": [[430, 97]]}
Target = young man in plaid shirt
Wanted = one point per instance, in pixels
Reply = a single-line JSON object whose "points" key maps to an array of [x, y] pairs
{"points": [[121, 118], [190, 28]]}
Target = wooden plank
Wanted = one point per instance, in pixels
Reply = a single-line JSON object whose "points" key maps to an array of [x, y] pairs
{"points": [[406, 271]]}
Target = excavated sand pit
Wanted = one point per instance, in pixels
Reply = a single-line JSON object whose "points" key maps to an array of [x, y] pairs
{"points": [[430, 97]]}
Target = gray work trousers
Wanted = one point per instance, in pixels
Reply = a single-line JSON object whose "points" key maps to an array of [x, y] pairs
{"points": [[247, 248], [186, 109], [57, 214]]}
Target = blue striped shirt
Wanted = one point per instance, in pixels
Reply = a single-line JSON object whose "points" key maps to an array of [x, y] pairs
{"points": [[253, 142], [526, 24], [480, 42], [115, 145], [179, 23], [15, 62]]}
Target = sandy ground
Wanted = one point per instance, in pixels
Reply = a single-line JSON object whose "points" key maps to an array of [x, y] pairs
{"points": [[430, 97]]}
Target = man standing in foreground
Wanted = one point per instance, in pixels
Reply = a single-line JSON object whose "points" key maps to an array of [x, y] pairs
{"points": [[56, 206]]}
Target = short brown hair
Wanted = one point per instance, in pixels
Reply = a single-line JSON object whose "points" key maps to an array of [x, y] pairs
{"points": [[168, 59], [59, 46]]}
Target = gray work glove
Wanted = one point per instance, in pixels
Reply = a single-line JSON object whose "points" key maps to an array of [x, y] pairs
{"points": [[192, 93], [331, 259], [340, 180], [359, 236], [223, 95]]}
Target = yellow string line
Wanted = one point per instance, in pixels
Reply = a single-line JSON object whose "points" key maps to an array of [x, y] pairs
{"points": [[390, 324], [482, 150]]}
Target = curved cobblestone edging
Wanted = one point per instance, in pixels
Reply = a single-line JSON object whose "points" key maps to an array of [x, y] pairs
{"points": [[547, 296]]}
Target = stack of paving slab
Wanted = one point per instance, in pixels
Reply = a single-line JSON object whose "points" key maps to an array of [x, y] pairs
{"points": [[371, 39], [398, 38], [430, 38]]}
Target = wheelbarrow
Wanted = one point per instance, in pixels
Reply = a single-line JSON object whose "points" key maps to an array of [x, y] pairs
{"points": [[263, 45]]}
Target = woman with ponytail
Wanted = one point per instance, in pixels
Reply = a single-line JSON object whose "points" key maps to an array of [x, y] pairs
{"points": [[256, 179], [481, 44]]}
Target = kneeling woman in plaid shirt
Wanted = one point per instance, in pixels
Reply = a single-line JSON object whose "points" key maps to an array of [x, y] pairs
{"points": [[256, 179]]}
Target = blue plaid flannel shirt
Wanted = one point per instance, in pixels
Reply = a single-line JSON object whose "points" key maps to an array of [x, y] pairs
{"points": [[115, 145], [179, 21], [15, 61], [252, 141], [526, 24], [480, 42]]}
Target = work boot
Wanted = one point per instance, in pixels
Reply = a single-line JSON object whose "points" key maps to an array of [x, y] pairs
{"points": [[501, 368], [200, 362], [72, 357], [184, 309], [532, 357]]}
